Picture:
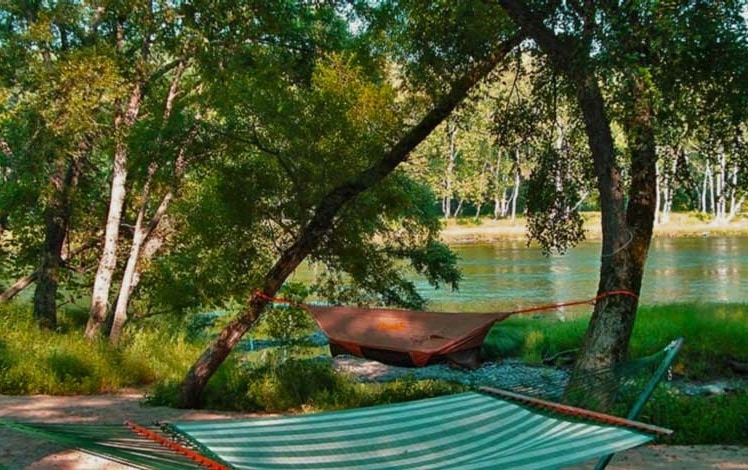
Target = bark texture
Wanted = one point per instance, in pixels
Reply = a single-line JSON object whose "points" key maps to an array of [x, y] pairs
{"points": [[142, 231], [17, 287], [323, 221]]}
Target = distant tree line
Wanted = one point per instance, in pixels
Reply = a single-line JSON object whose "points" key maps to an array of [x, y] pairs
{"points": [[481, 161]]}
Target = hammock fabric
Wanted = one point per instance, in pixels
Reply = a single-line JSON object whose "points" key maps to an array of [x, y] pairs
{"points": [[468, 431], [413, 338], [404, 337]]}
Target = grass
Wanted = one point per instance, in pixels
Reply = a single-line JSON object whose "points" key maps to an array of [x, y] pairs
{"points": [[157, 353], [65, 363], [713, 334]]}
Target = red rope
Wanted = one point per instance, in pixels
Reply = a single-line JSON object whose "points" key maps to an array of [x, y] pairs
{"points": [[191, 454], [541, 308], [262, 295], [592, 301]]}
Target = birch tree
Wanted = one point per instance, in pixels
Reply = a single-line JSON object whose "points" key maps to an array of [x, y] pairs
{"points": [[134, 26], [60, 93]]}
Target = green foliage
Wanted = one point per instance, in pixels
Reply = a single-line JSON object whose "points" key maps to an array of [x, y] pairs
{"points": [[280, 385], [295, 383], [342, 121], [287, 323], [504, 340], [713, 333], [416, 31]]}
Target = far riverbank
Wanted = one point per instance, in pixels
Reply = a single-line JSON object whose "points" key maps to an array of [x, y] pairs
{"points": [[680, 225]]}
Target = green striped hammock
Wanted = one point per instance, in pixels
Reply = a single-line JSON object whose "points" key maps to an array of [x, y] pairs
{"points": [[473, 430]]}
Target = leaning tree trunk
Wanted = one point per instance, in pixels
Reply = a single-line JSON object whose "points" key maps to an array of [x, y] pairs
{"points": [[17, 287], [322, 222], [27, 280]]}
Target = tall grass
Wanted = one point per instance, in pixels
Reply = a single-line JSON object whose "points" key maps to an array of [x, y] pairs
{"points": [[63, 362], [713, 333]]}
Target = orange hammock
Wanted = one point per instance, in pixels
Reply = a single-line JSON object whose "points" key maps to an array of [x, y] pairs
{"points": [[413, 338]]}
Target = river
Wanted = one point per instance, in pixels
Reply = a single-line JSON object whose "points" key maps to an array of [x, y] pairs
{"points": [[508, 275]]}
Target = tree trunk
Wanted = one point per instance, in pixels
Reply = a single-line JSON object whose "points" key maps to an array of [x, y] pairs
{"points": [[141, 234], [4, 172], [667, 208], [45, 294], [108, 262], [517, 181], [720, 188], [658, 178], [3, 226], [17, 287], [449, 171], [56, 222], [129, 277], [324, 219], [458, 210], [627, 229], [712, 200], [705, 186], [26, 281]]}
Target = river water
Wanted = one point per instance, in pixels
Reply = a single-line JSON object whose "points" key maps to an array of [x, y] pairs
{"points": [[507, 275]]}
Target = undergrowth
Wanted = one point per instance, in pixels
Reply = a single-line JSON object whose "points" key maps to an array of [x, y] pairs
{"points": [[63, 362], [713, 333], [278, 385], [156, 354]]}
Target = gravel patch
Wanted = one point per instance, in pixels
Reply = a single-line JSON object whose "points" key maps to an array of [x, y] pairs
{"points": [[508, 374]]}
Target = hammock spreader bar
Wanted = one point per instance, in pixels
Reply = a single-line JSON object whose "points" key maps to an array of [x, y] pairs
{"points": [[210, 464]]}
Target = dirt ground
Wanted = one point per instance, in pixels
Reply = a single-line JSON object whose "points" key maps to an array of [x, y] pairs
{"points": [[18, 451]]}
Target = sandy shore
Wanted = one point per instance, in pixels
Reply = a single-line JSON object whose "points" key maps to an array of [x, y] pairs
{"points": [[681, 225], [18, 451]]}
